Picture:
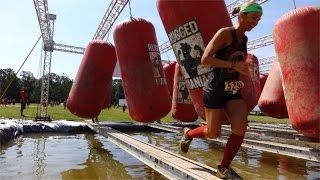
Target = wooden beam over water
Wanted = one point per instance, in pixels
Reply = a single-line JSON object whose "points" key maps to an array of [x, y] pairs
{"points": [[169, 164]]}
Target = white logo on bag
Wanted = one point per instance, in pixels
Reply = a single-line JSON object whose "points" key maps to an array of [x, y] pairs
{"points": [[155, 58]]}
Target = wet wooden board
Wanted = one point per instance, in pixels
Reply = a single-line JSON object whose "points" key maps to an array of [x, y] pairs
{"points": [[171, 165], [306, 153]]}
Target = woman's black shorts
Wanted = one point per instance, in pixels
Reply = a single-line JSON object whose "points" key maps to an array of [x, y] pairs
{"points": [[218, 97]]}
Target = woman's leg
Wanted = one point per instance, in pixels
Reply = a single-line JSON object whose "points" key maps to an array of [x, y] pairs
{"points": [[214, 103], [211, 130], [237, 114]]}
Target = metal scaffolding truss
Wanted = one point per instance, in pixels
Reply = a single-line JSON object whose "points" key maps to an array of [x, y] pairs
{"points": [[68, 48], [260, 42], [41, 7], [165, 47], [112, 13], [254, 44], [265, 64], [46, 23], [44, 99], [266, 60]]}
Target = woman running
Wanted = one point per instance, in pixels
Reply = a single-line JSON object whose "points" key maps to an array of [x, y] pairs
{"points": [[226, 54]]}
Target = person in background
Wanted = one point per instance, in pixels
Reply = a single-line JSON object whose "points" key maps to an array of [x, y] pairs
{"points": [[23, 100], [64, 104]]}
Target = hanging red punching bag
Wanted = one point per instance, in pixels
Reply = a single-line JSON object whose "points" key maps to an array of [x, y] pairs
{"points": [[251, 90], [182, 108], [142, 73], [88, 92], [107, 100], [296, 38], [263, 79], [271, 101], [190, 25], [169, 74]]}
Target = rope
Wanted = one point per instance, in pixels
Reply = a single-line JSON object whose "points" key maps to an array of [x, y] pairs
{"points": [[15, 76], [40, 62], [130, 10], [39, 76], [294, 4]]}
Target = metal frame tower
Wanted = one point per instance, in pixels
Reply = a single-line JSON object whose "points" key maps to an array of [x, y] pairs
{"points": [[42, 113], [112, 13], [46, 23]]}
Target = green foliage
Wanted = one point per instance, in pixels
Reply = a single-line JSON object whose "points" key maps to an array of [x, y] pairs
{"points": [[31, 84], [6, 76], [60, 86], [117, 91]]}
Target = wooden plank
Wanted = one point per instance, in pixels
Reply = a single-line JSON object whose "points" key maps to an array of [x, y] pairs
{"points": [[264, 144], [278, 148], [171, 165]]}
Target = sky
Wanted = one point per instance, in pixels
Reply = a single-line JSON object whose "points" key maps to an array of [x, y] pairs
{"points": [[77, 21]]}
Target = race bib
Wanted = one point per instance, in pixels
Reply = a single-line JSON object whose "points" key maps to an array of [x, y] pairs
{"points": [[233, 86]]}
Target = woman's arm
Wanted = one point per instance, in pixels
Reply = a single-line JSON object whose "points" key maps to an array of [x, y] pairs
{"points": [[220, 40]]}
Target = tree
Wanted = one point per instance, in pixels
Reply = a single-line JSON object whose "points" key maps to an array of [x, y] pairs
{"points": [[59, 87], [35, 92], [30, 83], [6, 76], [117, 91]]}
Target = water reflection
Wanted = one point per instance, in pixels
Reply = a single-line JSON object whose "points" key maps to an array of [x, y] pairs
{"points": [[39, 157], [87, 156], [100, 164], [289, 167], [77, 156], [249, 163], [19, 145]]}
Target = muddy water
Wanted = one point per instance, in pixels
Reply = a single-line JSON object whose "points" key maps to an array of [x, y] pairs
{"points": [[87, 156], [250, 164], [79, 156]]}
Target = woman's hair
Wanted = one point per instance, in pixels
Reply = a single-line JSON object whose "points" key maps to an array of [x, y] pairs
{"points": [[247, 7], [236, 10]]}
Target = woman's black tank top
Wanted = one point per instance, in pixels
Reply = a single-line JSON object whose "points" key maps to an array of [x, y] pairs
{"points": [[235, 51]]}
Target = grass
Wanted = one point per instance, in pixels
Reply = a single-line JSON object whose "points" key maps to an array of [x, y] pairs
{"points": [[113, 114], [268, 120], [58, 113]]}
